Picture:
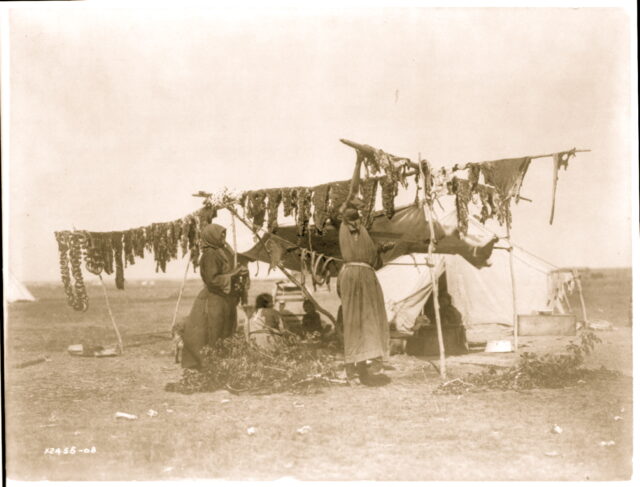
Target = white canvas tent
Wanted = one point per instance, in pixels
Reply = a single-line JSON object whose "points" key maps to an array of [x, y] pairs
{"points": [[483, 296], [16, 291]]}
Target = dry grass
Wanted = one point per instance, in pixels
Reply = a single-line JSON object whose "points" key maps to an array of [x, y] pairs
{"points": [[397, 432]]}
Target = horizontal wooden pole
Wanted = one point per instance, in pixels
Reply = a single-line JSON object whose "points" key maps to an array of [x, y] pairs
{"points": [[370, 150]]}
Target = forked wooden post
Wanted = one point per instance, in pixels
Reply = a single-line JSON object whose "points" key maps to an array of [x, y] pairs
{"points": [[427, 207], [184, 279], [234, 239], [113, 321], [513, 288], [584, 308]]}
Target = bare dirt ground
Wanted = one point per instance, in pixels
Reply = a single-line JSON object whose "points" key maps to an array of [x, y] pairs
{"points": [[397, 432]]}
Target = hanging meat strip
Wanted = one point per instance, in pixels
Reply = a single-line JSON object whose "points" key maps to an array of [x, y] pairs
{"points": [[304, 209], [127, 241], [93, 259], [107, 253], [288, 201], [256, 208], [320, 206], [184, 235], [273, 203], [389, 192], [473, 175], [194, 242], [561, 159], [462, 191], [76, 244], [116, 244], [65, 274], [369, 188]]}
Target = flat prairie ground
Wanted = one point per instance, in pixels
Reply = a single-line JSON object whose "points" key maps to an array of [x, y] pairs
{"points": [[401, 431]]}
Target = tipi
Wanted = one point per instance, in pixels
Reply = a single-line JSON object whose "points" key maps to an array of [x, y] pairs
{"points": [[16, 291]]}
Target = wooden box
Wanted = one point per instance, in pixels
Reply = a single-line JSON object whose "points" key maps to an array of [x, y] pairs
{"points": [[546, 324]]}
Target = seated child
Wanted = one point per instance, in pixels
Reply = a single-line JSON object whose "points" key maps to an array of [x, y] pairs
{"points": [[311, 320]]}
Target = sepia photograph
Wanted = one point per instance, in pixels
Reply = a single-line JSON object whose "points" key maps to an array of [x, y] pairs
{"points": [[318, 241]]}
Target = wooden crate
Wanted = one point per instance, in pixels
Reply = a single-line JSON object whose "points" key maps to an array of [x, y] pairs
{"points": [[546, 325]]}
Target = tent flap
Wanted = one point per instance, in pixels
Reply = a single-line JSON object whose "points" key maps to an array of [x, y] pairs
{"points": [[407, 287]]}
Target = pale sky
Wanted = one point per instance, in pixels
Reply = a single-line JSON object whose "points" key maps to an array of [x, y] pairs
{"points": [[117, 116]]}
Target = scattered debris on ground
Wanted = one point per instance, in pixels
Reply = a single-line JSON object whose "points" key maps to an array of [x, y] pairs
{"points": [[242, 367], [121, 415], [543, 371]]}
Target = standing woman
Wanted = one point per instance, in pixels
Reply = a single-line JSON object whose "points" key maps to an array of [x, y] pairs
{"points": [[213, 315], [366, 330]]}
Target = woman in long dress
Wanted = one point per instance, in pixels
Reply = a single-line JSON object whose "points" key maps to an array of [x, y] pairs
{"points": [[366, 330], [213, 315]]}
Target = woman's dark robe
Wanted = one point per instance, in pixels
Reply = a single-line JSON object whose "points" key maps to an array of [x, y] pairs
{"points": [[366, 330], [213, 315]]}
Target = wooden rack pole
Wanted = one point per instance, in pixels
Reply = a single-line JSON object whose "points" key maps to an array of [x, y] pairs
{"points": [[184, 279], [367, 149], [513, 288], [234, 241], [549, 155], [427, 207], [289, 276], [584, 308], [113, 321], [370, 150]]}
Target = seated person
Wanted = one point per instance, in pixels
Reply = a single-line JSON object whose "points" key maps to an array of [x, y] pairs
{"points": [[265, 325], [450, 317], [311, 320]]}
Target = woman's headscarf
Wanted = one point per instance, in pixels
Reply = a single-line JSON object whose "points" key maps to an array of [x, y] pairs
{"points": [[213, 236], [351, 214]]}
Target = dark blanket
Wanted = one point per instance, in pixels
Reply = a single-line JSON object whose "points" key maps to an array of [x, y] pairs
{"points": [[407, 229]]}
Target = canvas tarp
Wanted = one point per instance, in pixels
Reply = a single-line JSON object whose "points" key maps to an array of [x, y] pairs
{"points": [[407, 229]]}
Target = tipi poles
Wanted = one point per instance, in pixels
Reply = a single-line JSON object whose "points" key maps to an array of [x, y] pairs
{"points": [[113, 321], [427, 207], [513, 288], [184, 279]]}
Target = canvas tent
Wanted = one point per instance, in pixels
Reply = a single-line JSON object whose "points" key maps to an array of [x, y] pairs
{"points": [[482, 295], [16, 291]]}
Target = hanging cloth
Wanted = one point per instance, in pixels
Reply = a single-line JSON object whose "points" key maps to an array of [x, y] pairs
{"points": [[506, 175], [560, 159]]}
